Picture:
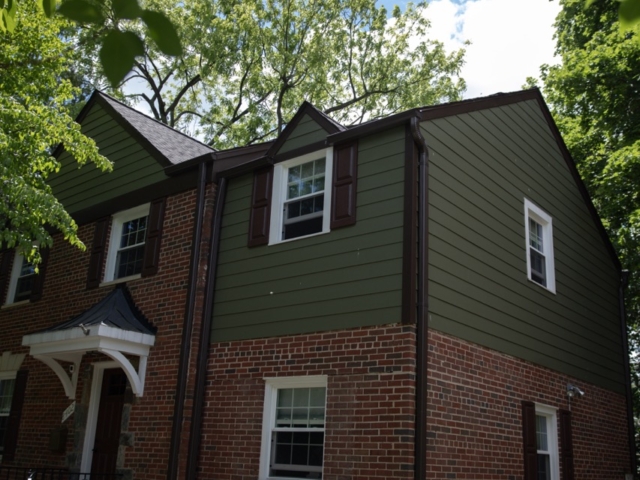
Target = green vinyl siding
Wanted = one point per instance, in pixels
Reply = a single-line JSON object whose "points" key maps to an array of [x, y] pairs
{"points": [[306, 133], [482, 167], [133, 167], [349, 277]]}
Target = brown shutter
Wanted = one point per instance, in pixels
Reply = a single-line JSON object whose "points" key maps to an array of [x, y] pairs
{"points": [[94, 275], [38, 281], [261, 207], [5, 273], [566, 445], [13, 421], [154, 237], [529, 447], [345, 176]]}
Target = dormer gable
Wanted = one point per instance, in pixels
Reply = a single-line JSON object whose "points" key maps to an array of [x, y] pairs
{"points": [[307, 131]]}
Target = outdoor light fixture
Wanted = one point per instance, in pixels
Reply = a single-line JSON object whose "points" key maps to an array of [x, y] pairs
{"points": [[573, 391]]}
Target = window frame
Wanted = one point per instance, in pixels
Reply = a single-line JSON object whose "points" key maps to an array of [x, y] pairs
{"points": [[7, 375], [535, 213], [272, 385], [551, 416], [280, 182], [117, 221]]}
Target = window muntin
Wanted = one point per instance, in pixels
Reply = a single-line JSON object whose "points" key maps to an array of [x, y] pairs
{"points": [[126, 243], [547, 443], [293, 431], [304, 205], [6, 395], [539, 238], [301, 197], [131, 249]]}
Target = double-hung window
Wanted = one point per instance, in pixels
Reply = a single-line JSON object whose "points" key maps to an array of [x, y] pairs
{"points": [[7, 386], [293, 427], [22, 278], [539, 238], [547, 443], [302, 197], [127, 243]]}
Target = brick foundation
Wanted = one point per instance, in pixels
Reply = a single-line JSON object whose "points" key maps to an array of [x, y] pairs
{"points": [[474, 415], [370, 401]]}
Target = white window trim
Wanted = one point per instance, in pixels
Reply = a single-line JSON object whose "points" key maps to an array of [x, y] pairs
{"points": [[279, 193], [13, 279], [117, 220], [551, 414], [268, 416], [540, 216]]}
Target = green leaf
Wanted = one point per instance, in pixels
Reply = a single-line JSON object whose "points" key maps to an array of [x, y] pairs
{"points": [[588, 3], [126, 9], [163, 33], [48, 7], [629, 14], [9, 17], [118, 53], [81, 11], [3, 27]]}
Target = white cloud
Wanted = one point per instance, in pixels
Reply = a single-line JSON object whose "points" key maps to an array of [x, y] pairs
{"points": [[510, 40]]}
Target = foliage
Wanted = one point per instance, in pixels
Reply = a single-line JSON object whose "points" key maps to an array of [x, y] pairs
{"points": [[595, 98], [248, 65], [119, 48], [33, 120]]}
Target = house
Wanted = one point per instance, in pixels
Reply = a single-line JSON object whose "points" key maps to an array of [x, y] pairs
{"points": [[91, 345], [428, 295]]}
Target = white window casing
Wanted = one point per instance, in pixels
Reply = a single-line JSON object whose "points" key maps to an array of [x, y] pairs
{"points": [[118, 220], [539, 246], [279, 199], [270, 428], [547, 442]]}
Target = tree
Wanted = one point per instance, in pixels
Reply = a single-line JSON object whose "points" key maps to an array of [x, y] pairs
{"points": [[248, 65], [118, 48], [595, 98], [33, 120]]}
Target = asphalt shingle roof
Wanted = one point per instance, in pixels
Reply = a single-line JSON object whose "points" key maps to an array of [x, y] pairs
{"points": [[172, 144]]}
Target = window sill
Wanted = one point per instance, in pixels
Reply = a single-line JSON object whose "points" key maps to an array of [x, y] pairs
{"points": [[120, 280], [542, 286], [298, 238], [16, 304]]}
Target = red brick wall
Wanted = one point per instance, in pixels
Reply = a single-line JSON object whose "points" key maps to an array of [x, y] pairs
{"points": [[474, 417], [370, 401], [161, 298]]}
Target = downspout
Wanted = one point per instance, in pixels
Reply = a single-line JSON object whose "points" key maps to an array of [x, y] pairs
{"points": [[205, 334], [624, 280], [187, 328], [422, 320]]}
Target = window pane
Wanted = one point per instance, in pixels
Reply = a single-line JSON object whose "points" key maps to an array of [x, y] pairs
{"points": [[544, 467], [6, 393], [307, 170], [285, 397], [541, 433], [129, 262], [24, 284], [535, 235], [538, 267], [316, 396]]}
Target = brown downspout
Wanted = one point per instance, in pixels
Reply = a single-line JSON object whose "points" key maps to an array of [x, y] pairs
{"points": [[422, 320], [187, 328], [205, 334], [624, 280]]}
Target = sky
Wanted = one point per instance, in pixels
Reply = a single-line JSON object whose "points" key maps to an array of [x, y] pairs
{"points": [[510, 39]]}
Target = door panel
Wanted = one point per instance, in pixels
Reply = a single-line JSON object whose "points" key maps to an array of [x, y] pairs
{"points": [[105, 449]]}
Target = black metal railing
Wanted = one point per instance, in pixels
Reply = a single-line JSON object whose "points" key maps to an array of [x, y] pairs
{"points": [[40, 473]]}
